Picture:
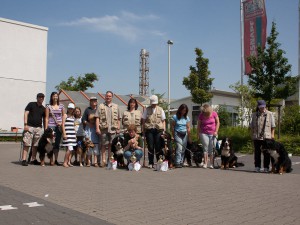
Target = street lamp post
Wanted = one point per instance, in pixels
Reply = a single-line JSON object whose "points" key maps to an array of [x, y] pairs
{"points": [[169, 78]]}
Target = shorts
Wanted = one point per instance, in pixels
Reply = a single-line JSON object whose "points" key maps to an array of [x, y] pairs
{"points": [[32, 136], [94, 151], [106, 138]]}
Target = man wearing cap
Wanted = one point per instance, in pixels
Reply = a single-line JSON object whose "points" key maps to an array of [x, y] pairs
{"points": [[107, 123], [34, 120], [262, 127], [89, 124], [153, 122]]}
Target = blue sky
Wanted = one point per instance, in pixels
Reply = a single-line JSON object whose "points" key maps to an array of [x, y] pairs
{"points": [[106, 36]]}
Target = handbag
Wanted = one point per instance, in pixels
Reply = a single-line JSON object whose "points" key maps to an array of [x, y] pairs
{"points": [[52, 114]]}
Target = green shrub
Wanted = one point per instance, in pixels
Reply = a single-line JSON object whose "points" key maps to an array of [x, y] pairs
{"points": [[242, 142]]}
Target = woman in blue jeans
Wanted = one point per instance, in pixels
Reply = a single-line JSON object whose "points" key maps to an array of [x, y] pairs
{"points": [[133, 143], [180, 128]]}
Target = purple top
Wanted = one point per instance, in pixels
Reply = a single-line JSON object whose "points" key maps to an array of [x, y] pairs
{"points": [[208, 125], [57, 113]]}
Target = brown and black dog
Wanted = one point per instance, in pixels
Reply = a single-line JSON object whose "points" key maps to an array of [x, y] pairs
{"points": [[228, 157], [82, 150], [279, 157]]}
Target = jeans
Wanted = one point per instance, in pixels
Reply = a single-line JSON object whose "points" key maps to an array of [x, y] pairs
{"points": [[208, 142], [180, 148], [138, 155], [257, 155], [154, 144]]}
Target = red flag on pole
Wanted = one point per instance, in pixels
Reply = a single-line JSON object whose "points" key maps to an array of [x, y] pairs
{"points": [[255, 26]]}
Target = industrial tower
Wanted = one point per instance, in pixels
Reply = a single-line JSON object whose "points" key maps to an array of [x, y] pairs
{"points": [[144, 70]]}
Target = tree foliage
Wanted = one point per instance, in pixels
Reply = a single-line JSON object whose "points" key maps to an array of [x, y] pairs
{"points": [[224, 116], [78, 84], [269, 77], [247, 102], [290, 123], [198, 81]]}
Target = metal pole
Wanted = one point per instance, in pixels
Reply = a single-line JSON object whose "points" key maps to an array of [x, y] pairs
{"points": [[299, 53], [169, 77], [242, 41]]}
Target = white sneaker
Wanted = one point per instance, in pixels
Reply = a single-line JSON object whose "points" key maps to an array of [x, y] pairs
{"points": [[201, 164], [257, 169], [211, 167], [266, 170], [204, 166]]}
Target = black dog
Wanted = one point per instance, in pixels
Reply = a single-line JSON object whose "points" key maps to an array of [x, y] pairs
{"points": [[117, 147], [193, 152], [166, 148], [279, 157], [228, 158], [45, 145]]}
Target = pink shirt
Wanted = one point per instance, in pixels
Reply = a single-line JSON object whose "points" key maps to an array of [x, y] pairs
{"points": [[208, 125]]}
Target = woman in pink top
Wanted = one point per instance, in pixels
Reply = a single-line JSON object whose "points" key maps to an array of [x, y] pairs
{"points": [[208, 127]]}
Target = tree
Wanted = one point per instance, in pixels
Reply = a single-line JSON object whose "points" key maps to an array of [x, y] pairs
{"points": [[224, 116], [291, 120], [198, 81], [269, 77], [79, 84], [247, 102]]}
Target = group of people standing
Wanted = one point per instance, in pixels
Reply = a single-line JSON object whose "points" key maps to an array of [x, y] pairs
{"points": [[101, 123]]}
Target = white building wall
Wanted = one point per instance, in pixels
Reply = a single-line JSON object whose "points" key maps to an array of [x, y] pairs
{"points": [[219, 98], [23, 62]]}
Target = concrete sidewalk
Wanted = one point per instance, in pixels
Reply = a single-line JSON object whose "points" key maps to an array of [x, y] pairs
{"points": [[179, 196]]}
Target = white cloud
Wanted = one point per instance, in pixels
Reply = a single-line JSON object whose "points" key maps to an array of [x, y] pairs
{"points": [[127, 25]]}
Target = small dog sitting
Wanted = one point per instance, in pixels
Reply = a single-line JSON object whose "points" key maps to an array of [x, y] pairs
{"points": [[45, 145], [86, 145], [193, 152], [117, 147], [279, 157], [228, 158], [167, 149]]}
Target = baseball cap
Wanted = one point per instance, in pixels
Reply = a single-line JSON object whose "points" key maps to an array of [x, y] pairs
{"points": [[40, 95], [153, 99], [261, 103], [71, 106], [93, 98]]}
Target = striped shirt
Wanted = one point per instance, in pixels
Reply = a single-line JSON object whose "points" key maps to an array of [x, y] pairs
{"points": [[70, 132], [57, 113]]}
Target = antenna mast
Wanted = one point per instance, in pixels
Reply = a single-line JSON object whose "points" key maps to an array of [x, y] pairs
{"points": [[144, 71]]}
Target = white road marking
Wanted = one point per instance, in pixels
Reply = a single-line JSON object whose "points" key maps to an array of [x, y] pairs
{"points": [[295, 163], [33, 204], [7, 207]]}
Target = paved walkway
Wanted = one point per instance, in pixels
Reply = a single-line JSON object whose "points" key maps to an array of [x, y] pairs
{"points": [[180, 196]]}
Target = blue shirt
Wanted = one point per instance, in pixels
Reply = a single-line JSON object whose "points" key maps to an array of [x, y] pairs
{"points": [[180, 125]]}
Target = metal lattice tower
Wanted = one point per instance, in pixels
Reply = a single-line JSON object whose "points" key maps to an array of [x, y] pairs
{"points": [[144, 71]]}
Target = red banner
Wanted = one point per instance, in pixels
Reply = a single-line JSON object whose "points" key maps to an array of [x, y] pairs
{"points": [[255, 26]]}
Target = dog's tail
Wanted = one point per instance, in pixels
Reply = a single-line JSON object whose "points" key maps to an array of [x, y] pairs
{"points": [[240, 164]]}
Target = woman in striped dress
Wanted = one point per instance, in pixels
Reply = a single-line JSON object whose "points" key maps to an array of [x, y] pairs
{"points": [[69, 134]]}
